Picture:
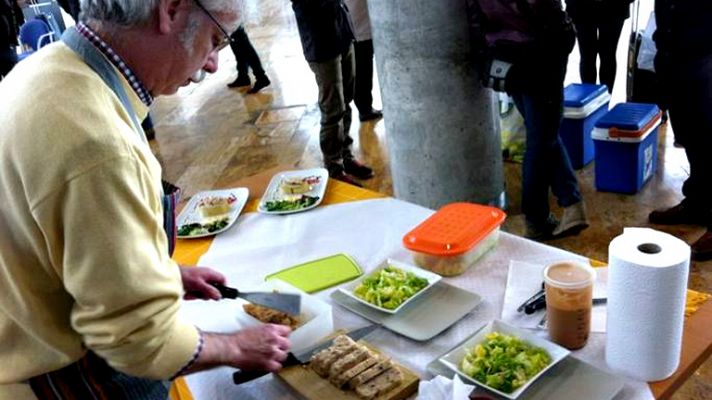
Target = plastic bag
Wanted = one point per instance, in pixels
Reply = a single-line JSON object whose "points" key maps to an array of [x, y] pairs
{"points": [[646, 54], [514, 133]]}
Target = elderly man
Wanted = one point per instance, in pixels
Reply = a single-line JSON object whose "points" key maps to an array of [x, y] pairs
{"points": [[89, 295]]}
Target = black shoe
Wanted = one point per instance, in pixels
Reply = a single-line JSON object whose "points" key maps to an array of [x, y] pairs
{"points": [[357, 169], [150, 133], [542, 231], [239, 82], [260, 83], [682, 213], [702, 248], [370, 115]]}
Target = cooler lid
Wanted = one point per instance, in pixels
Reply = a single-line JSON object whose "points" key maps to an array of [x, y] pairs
{"points": [[580, 94], [454, 229], [629, 116]]}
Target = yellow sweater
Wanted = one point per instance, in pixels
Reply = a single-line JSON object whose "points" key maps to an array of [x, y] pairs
{"points": [[83, 256]]}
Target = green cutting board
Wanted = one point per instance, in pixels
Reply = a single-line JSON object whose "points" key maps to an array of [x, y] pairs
{"points": [[320, 274]]}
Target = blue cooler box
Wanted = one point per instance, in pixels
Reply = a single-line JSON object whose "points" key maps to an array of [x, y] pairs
{"points": [[626, 141], [584, 104]]}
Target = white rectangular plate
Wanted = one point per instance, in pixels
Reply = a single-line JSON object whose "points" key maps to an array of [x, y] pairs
{"points": [[423, 318], [419, 272], [275, 193], [453, 358], [190, 213]]}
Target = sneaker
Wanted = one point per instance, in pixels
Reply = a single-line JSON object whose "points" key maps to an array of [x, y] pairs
{"points": [[240, 81], [572, 221], [541, 232], [150, 133], [336, 171], [702, 248], [260, 83], [682, 213], [370, 115], [357, 169]]}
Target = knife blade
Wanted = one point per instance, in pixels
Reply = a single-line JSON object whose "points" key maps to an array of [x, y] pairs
{"points": [[286, 302], [303, 356]]}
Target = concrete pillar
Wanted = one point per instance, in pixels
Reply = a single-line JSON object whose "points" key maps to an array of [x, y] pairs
{"points": [[441, 125]]}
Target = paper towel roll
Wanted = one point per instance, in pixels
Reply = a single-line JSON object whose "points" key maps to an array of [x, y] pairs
{"points": [[647, 283]]}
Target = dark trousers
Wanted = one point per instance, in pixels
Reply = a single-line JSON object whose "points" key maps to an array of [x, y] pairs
{"points": [[335, 79], [598, 36], [245, 54], [690, 99], [8, 59], [546, 163], [363, 53]]}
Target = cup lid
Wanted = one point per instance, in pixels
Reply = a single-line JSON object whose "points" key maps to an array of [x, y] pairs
{"points": [[569, 275]]}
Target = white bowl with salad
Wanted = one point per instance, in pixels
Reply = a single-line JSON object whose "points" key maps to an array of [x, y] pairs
{"points": [[391, 286], [503, 358]]}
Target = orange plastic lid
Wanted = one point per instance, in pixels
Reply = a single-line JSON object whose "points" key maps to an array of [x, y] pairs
{"points": [[454, 229]]}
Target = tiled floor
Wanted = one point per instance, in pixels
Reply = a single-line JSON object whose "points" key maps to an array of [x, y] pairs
{"points": [[209, 135]]}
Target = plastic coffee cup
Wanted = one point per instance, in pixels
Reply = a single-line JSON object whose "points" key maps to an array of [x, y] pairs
{"points": [[569, 299]]}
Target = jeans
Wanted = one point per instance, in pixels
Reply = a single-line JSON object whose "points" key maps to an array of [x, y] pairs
{"points": [[598, 36], [335, 79], [546, 163], [690, 100], [363, 99], [245, 54]]}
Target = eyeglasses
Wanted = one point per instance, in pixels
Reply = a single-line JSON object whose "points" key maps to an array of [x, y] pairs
{"points": [[226, 37]]}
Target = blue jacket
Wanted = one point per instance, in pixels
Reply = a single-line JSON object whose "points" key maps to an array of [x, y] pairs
{"points": [[325, 28]]}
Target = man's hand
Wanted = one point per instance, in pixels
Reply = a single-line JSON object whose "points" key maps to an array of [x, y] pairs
{"points": [[259, 348], [196, 283]]}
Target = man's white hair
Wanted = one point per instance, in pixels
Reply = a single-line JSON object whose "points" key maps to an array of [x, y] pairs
{"points": [[137, 12]]}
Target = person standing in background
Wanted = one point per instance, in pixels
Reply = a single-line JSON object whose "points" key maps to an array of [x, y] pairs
{"points": [[327, 37], [71, 7], [246, 57], [10, 21], [363, 53], [598, 27], [684, 67]]}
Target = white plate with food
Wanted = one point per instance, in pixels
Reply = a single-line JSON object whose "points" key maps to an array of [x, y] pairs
{"points": [[211, 212], [391, 286], [503, 358], [294, 191], [309, 327]]}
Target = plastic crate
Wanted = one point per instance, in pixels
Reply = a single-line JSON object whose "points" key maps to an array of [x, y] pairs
{"points": [[584, 104]]}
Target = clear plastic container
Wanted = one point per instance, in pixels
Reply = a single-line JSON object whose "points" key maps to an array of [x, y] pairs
{"points": [[454, 238]]}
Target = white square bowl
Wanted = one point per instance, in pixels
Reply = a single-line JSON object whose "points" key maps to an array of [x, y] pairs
{"points": [[317, 320], [453, 358], [431, 277]]}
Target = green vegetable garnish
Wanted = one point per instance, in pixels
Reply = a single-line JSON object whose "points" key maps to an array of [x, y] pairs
{"points": [[390, 287], [504, 362], [290, 205], [198, 229]]}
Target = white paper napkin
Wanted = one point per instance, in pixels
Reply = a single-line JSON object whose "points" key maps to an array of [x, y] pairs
{"points": [[442, 388], [524, 279]]}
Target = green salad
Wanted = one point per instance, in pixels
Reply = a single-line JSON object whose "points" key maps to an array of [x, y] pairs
{"points": [[390, 287], [504, 362], [303, 201], [199, 229]]}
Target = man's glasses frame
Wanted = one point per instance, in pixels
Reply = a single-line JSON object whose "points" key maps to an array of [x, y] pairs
{"points": [[227, 40]]}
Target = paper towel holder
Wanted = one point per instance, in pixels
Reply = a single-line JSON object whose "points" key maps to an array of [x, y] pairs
{"points": [[649, 248]]}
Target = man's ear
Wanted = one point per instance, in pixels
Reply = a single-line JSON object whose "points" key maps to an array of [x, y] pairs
{"points": [[169, 14]]}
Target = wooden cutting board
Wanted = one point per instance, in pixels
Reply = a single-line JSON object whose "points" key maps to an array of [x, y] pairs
{"points": [[313, 387]]}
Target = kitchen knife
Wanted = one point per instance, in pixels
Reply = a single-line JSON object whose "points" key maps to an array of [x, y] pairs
{"points": [[303, 356], [286, 302]]}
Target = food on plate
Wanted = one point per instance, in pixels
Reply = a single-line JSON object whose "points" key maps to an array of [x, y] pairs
{"points": [[271, 316], [199, 229], [504, 362], [291, 203], [213, 206], [390, 287], [298, 185], [347, 362]]}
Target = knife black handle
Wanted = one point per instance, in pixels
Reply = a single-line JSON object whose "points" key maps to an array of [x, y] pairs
{"points": [[225, 291], [535, 305], [241, 376]]}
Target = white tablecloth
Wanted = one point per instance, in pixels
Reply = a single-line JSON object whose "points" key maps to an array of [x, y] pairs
{"points": [[370, 231]]}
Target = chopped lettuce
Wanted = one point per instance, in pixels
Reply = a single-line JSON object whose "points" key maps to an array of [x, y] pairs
{"points": [[504, 362], [390, 287], [199, 229]]}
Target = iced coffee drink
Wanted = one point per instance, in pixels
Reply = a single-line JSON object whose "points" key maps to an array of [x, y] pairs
{"points": [[569, 292]]}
